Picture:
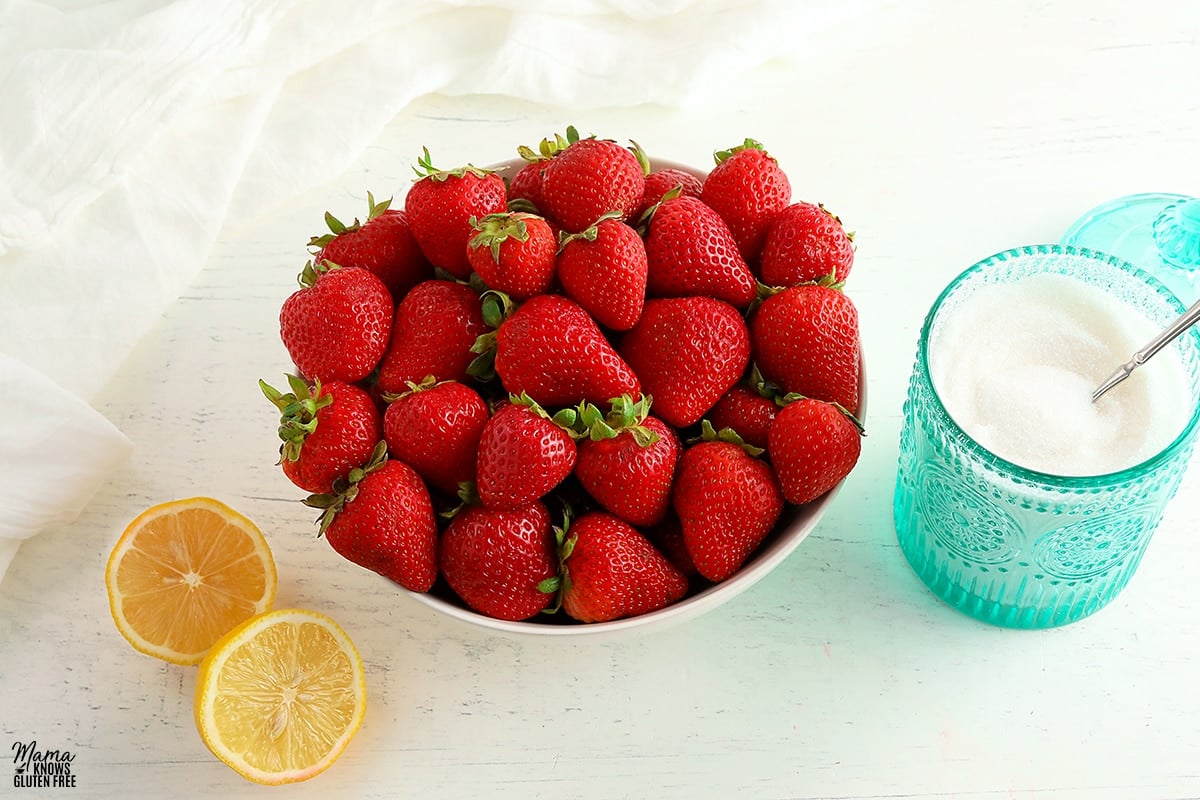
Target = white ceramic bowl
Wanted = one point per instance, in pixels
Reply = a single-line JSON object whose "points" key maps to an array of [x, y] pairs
{"points": [[794, 525]]}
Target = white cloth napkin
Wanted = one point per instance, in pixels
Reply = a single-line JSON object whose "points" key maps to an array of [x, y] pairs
{"points": [[133, 130]]}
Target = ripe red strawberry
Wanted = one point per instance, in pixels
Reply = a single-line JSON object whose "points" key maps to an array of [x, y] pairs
{"points": [[806, 243], [496, 560], [603, 268], [627, 463], [383, 520], [610, 570], [661, 181], [552, 350], [526, 184], [805, 339], [747, 188], [690, 251], [589, 178], [513, 252], [440, 205], [435, 429], [336, 326], [667, 538], [437, 322], [382, 245], [727, 502], [523, 454], [687, 352], [327, 430], [813, 446], [747, 412]]}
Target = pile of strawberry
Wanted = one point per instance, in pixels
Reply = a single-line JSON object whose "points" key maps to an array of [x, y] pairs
{"points": [[587, 389]]}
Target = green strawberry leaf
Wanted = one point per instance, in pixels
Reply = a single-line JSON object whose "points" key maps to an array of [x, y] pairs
{"points": [[495, 229], [376, 209], [298, 412], [747, 144], [337, 227], [642, 226], [468, 495], [710, 434], [483, 366], [425, 169], [522, 205], [495, 306], [642, 159]]}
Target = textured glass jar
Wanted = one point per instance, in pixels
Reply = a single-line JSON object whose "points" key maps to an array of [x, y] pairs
{"points": [[1013, 546]]}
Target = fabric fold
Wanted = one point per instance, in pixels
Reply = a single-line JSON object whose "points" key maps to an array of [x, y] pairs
{"points": [[50, 469]]}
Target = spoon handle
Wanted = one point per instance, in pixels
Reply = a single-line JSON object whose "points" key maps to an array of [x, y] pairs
{"points": [[1187, 320], [1180, 325]]}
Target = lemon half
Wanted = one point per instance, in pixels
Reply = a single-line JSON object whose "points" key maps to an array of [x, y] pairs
{"points": [[184, 573], [280, 696]]}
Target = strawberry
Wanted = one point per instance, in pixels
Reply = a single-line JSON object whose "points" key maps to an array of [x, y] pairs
{"points": [[806, 243], [526, 184], [727, 502], [381, 518], [383, 245], [610, 570], [603, 268], [496, 560], [513, 252], [327, 430], [525, 187], [627, 463], [440, 205], [687, 352], [435, 429], [552, 350], [588, 178], [437, 322], [661, 181], [747, 188], [746, 411], [690, 251], [667, 538], [523, 454], [336, 326], [805, 339], [813, 446]]}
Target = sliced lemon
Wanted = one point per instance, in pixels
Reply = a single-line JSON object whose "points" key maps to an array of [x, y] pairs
{"points": [[280, 697], [184, 573]]}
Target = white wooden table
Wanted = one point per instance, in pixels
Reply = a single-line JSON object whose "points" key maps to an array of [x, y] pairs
{"points": [[942, 132]]}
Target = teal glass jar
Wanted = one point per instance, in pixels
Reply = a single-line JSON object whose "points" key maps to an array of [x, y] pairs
{"points": [[1013, 546]]}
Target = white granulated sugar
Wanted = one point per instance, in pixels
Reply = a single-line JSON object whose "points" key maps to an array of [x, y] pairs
{"points": [[1016, 365]]}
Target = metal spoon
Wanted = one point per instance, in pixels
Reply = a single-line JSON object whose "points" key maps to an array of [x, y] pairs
{"points": [[1122, 372]]}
